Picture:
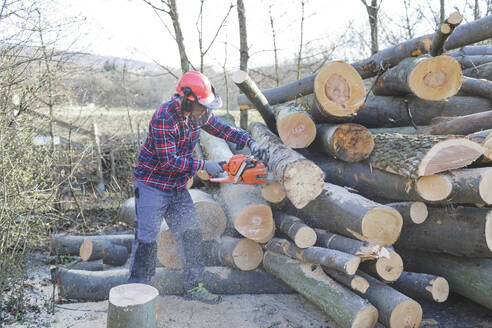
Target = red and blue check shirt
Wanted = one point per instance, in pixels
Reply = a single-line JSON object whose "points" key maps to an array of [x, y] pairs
{"points": [[165, 160]]}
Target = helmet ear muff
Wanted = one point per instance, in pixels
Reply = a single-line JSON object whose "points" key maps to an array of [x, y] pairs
{"points": [[187, 103]]}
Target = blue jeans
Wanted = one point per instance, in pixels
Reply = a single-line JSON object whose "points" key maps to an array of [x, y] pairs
{"points": [[176, 207]]}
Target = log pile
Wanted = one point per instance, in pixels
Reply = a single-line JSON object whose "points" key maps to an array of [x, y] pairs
{"points": [[380, 198]]}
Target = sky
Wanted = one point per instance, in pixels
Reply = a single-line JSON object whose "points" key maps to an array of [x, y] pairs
{"points": [[131, 28]]}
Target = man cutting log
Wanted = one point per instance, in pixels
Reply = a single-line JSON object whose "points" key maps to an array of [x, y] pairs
{"points": [[164, 166]]}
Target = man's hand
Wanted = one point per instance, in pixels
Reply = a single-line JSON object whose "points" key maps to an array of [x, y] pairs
{"points": [[213, 168], [257, 151]]}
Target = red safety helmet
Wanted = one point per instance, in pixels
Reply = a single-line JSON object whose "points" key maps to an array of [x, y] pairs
{"points": [[199, 89]]}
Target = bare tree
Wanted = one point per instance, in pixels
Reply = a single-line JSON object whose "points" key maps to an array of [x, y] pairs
{"points": [[299, 56], [372, 11], [275, 49]]}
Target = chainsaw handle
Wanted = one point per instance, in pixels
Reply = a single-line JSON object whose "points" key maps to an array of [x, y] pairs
{"points": [[223, 165]]}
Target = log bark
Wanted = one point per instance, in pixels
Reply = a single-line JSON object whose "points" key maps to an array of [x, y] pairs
{"points": [[248, 212], [213, 220], [468, 277], [460, 231], [414, 156], [429, 78], [472, 32], [301, 179], [354, 282], [301, 234], [95, 286], [349, 142], [476, 87], [343, 262], [411, 212], [126, 213], [470, 64], [422, 286], [443, 32], [343, 306], [273, 192], [96, 265], [352, 215], [295, 126], [132, 305], [471, 51], [62, 244], [483, 71], [460, 125], [394, 111], [111, 254], [395, 309], [485, 138]]}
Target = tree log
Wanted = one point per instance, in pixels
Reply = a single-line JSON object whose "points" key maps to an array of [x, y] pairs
{"points": [[250, 215], [213, 220], [429, 78], [483, 71], [461, 125], [62, 244], [485, 138], [343, 306], [352, 215], [422, 286], [469, 63], [111, 254], [126, 213], [443, 32], [132, 305], [96, 265], [295, 126], [395, 309], [411, 212], [349, 142], [468, 277], [300, 233], [273, 192], [354, 282], [301, 179], [343, 262], [461, 231], [394, 111], [388, 269], [476, 87], [471, 51], [422, 155]]}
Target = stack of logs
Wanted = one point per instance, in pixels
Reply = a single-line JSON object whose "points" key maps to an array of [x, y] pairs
{"points": [[380, 197]]}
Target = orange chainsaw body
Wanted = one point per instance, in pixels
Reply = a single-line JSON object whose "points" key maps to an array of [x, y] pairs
{"points": [[254, 172]]}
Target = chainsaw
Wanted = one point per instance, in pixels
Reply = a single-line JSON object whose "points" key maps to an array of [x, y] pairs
{"points": [[243, 169]]}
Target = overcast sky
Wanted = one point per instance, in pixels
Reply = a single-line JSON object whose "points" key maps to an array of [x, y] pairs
{"points": [[130, 28]]}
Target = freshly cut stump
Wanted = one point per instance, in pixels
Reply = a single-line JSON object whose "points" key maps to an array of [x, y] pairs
{"points": [[302, 234], [273, 192], [423, 286], [132, 305], [212, 218], [295, 126]]}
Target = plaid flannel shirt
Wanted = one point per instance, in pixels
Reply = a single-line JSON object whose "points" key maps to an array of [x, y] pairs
{"points": [[165, 160]]}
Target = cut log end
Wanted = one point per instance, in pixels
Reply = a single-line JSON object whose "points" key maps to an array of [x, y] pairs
{"points": [[256, 223], [189, 184], [390, 269], [418, 212], [382, 225], [132, 294], [303, 182], [487, 147], [167, 251], [359, 284], [212, 219], [203, 175], [352, 265], [406, 314], [488, 230], [86, 250], [455, 18], [367, 317], [297, 130], [239, 77], [353, 142], [434, 187], [247, 255], [439, 289], [273, 192], [305, 237], [485, 187], [453, 153], [436, 78], [339, 89]]}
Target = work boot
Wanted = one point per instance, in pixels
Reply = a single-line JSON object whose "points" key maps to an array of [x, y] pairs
{"points": [[200, 293]]}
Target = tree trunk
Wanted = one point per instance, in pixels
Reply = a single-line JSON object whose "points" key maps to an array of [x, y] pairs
{"points": [[394, 111], [422, 155], [111, 254], [395, 309], [343, 306], [62, 244], [429, 78], [343, 262], [461, 231], [483, 71], [468, 277], [249, 213], [422, 286], [348, 142], [411, 212], [132, 305], [173, 14], [352, 215], [476, 87], [243, 54], [443, 32], [300, 233], [301, 179], [295, 126], [273, 192], [354, 282], [213, 220]]}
